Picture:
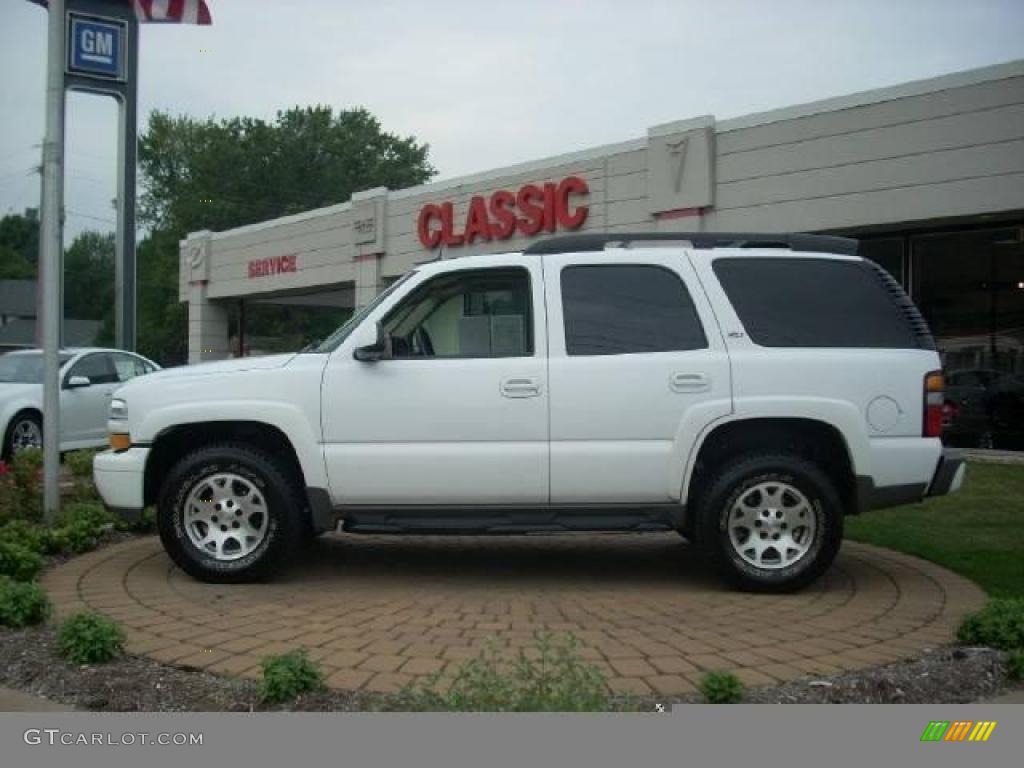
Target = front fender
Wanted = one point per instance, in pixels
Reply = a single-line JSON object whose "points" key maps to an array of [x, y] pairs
{"points": [[296, 425]]}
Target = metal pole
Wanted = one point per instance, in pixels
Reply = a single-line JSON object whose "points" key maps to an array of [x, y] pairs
{"points": [[124, 260], [50, 258]]}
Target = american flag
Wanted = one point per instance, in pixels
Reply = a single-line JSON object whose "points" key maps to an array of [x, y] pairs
{"points": [[173, 11], [165, 11]]}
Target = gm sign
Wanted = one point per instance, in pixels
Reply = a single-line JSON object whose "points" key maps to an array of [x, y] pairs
{"points": [[96, 47]]}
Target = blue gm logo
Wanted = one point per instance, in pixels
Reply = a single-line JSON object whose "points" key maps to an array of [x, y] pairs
{"points": [[96, 47]]}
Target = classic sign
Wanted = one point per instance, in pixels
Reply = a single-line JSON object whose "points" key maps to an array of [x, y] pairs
{"points": [[534, 208]]}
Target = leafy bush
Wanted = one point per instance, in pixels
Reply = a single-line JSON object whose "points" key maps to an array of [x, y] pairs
{"points": [[90, 638], [557, 680], [21, 494], [288, 675], [31, 536], [79, 526], [22, 603], [80, 464], [18, 562], [1015, 665], [1000, 624], [721, 688]]}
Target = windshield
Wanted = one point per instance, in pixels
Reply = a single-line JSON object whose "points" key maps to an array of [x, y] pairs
{"points": [[27, 368], [333, 341]]}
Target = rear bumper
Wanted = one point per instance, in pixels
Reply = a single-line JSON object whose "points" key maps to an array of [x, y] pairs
{"points": [[947, 478], [949, 475], [119, 479]]}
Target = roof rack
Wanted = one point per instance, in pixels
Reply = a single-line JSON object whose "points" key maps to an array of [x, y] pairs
{"points": [[794, 241]]}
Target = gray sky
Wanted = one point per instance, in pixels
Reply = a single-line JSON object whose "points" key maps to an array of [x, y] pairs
{"points": [[492, 83]]}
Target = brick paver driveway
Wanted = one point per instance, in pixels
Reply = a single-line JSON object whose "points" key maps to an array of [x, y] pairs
{"points": [[380, 611]]}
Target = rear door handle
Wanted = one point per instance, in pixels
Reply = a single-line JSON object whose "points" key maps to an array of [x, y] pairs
{"points": [[689, 382], [520, 387]]}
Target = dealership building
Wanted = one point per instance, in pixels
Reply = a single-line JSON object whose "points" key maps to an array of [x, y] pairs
{"points": [[928, 174]]}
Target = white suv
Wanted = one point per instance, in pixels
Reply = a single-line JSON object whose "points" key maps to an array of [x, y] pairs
{"points": [[747, 391]]}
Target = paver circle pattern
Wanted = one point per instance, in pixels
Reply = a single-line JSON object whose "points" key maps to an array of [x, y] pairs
{"points": [[379, 612]]}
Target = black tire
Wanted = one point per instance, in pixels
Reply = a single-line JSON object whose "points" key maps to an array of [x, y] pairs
{"points": [[741, 476], [29, 416], [283, 502]]}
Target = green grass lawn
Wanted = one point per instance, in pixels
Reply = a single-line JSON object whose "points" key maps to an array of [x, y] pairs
{"points": [[977, 532]]}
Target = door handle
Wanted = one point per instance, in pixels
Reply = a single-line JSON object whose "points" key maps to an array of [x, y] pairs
{"points": [[520, 387], [689, 382]]}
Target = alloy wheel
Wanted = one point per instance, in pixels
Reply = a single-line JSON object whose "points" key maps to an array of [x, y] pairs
{"points": [[226, 516], [26, 434], [772, 525]]}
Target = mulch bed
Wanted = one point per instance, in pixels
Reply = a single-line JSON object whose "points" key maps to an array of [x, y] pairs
{"points": [[29, 662]]}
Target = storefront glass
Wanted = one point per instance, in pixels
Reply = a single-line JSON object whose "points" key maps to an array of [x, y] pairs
{"points": [[970, 287]]}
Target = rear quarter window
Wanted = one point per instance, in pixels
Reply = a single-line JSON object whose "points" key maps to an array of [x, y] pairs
{"points": [[807, 302]]}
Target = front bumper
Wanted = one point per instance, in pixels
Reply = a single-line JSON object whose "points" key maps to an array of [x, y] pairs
{"points": [[119, 478], [949, 475]]}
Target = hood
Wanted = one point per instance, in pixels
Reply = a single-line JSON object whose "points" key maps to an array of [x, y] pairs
{"points": [[222, 366]]}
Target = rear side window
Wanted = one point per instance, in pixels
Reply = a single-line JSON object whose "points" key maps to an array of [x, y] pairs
{"points": [[616, 309], [789, 302]]}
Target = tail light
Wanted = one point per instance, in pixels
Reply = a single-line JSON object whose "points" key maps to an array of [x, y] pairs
{"points": [[934, 386]]}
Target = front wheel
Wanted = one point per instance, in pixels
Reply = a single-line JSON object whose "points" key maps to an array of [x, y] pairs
{"points": [[771, 523], [229, 513]]}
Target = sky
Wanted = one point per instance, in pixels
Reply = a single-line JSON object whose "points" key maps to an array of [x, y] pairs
{"points": [[489, 83]]}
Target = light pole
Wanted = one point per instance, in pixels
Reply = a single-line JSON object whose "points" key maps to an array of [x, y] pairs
{"points": [[50, 258]]}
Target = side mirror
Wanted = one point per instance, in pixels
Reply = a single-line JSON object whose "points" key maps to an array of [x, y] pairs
{"points": [[379, 350], [77, 382]]}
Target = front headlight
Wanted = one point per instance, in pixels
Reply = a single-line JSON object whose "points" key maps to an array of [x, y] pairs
{"points": [[118, 409]]}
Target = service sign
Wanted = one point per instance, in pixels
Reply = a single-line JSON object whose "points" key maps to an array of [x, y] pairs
{"points": [[530, 210], [273, 265], [96, 47]]}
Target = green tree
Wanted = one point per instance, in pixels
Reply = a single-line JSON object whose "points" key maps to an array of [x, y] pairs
{"points": [[218, 174], [19, 245], [20, 232], [89, 276], [207, 174]]}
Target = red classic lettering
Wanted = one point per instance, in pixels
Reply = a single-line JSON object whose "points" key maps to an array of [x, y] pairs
{"points": [[477, 224], [530, 210], [533, 219], [550, 216], [448, 234], [429, 236], [504, 223], [572, 185]]}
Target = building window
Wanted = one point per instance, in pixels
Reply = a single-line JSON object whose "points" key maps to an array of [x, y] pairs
{"points": [[620, 309], [970, 287]]}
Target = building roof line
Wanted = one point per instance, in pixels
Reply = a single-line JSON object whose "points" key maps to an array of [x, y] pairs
{"points": [[921, 87]]}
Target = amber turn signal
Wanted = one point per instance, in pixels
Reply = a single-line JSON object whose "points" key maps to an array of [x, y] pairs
{"points": [[119, 441]]}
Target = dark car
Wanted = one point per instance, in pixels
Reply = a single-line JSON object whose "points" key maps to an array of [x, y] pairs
{"points": [[984, 408]]}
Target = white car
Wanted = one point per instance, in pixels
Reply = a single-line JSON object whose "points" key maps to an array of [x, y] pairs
{"points": [[88, 378], [748, 391]]}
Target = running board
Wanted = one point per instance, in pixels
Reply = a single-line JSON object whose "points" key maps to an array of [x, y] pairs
{"points": [[511, 519]]}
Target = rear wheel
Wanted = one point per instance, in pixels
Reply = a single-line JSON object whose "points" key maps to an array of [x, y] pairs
{"points": [[771, 523], [229, 513]]}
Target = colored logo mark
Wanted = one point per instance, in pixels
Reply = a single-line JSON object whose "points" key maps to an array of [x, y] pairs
{"points": [[958, 730]]}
